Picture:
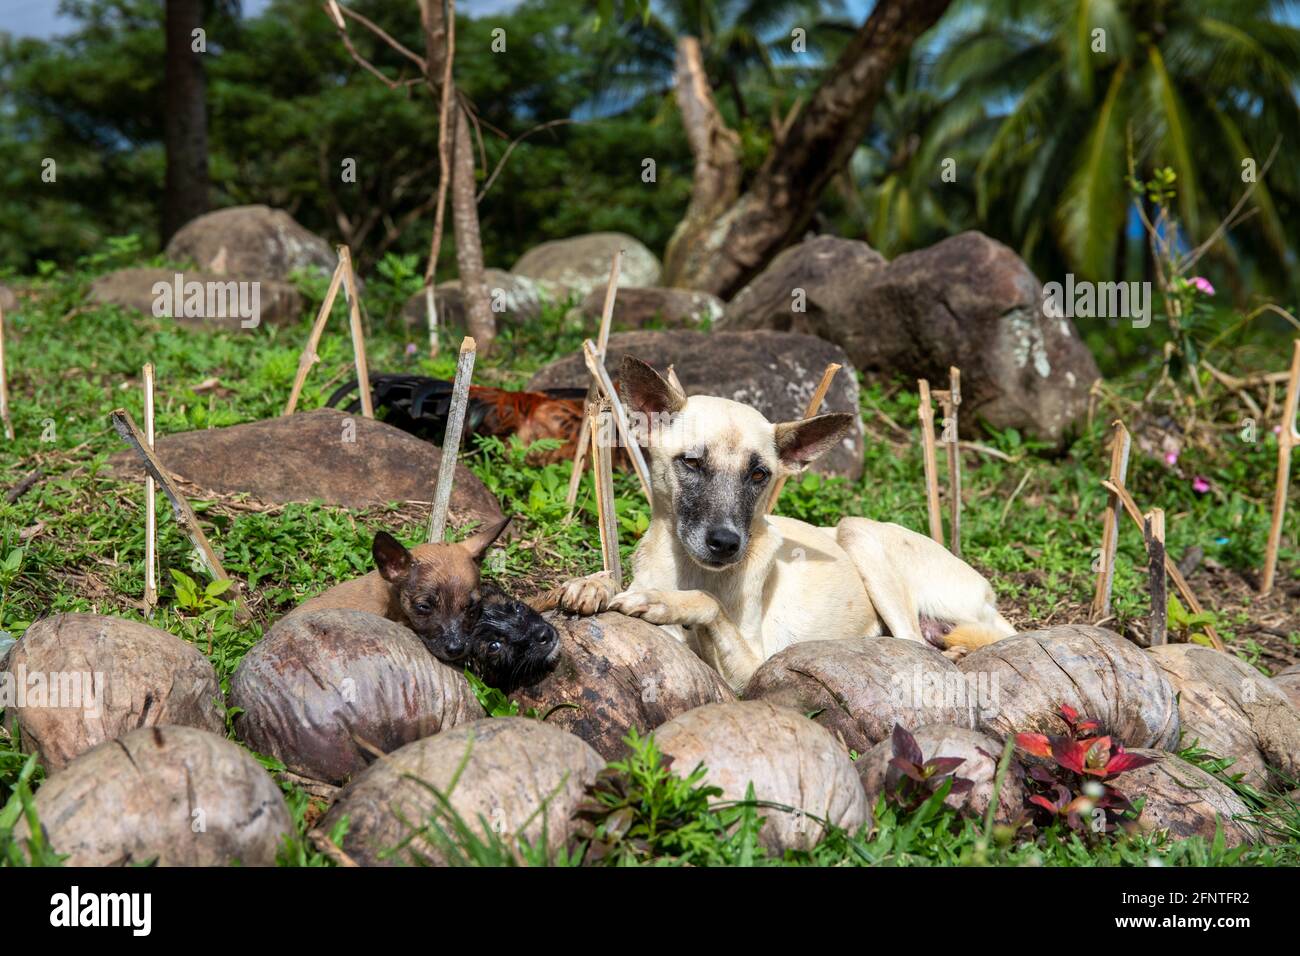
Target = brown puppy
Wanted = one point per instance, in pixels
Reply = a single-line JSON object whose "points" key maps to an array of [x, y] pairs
{"points": [[429, 588]]}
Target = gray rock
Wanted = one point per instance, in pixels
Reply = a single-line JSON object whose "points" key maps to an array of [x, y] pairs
{"points": [[635, 308], [776, 372], [8, 301], [967, 301], [515, 300], [277, 303], [255, 241], [581, 263]]}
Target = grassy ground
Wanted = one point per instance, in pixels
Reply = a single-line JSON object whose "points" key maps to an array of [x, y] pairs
{"points": [[74, 541]]}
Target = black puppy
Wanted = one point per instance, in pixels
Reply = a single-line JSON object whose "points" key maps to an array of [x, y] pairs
{"points": [[510, 645]]}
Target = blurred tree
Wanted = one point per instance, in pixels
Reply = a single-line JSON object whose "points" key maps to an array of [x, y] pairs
{"points": [[185, 118]]}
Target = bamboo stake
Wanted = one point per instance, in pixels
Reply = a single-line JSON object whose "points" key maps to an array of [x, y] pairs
{"points": [[951, 401], [181, 510], [602, 340], [1153, 531], [1180, 582], [150, 504], [931, 462], [309, 356], [4, 385], [814, 405], [607, 390], [1287, 439], [1119, 450], [603, 472], [451, 441], [358, 334]]}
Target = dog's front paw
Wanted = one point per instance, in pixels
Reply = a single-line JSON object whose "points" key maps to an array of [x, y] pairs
{"points": [[684, 608], [589, 595], [956, 652]]}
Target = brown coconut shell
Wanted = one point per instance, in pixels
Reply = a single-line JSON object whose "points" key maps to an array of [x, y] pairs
{"points": [[980, 754], [512, 774], [177, 795], [1093, 670], [790, 760], [859, 689], [323, 688], [620, 673], [1289, 681], [1232, 710], [149, 678], [1185, 800]]}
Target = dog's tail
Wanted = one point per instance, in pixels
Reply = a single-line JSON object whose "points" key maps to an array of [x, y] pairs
{"points": [[973, 636]]}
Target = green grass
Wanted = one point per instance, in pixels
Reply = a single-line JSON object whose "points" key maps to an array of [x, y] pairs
{"points": [[70, 365]]}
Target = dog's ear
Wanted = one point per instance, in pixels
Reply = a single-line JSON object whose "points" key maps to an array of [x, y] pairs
{"points": [[800, 443], [391, 557], [645, 390], [477, 544]]}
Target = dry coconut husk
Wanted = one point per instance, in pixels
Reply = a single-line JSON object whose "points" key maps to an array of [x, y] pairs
{"points": [[1232, 710], [791, 761], [616, 673], [859, 689], [175, 795], [1185, 800], [325, 689], [1093, 670], [980, 755], [100, 677], [512, 775], [1289, 681]]}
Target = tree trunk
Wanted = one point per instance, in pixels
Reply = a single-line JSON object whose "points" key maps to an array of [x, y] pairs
{"points": [[185, 189], [479, 318], [720, 250]]}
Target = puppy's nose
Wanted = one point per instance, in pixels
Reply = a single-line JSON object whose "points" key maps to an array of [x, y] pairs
{"points": [[544, 634], [722, 542]]}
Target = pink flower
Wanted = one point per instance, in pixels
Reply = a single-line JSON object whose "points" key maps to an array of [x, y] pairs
{"points": [[410, 348], [1202, 285], [1200, 485], [1171, 458]]}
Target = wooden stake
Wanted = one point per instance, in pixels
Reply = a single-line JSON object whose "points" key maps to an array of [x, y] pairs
{"points": [[1119, 449], [606, 389], [814, 405], [150, 504], [309, 356], [181, 510], [603, 471], [358, 334], [1180, 582], [451, 441], [1287, 439], [1153, 531], [931, 462], [951, 401], [602, 340], [4, 385]]}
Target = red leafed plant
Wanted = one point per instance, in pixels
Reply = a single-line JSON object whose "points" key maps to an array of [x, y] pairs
{"points": [[911, 779], [1074, 787]]}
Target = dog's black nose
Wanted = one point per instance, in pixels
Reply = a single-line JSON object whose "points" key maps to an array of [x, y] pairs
{"points": [[722, 542]]}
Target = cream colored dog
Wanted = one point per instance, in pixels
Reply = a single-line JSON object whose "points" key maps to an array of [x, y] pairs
{"points": [[737, 585]]}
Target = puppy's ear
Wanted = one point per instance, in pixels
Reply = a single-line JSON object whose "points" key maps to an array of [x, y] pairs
{"points": [[477, 544], [800, 443], [391, 557], [645, 390]]}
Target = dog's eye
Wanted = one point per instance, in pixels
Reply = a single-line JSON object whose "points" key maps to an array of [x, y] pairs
{"points": [[494, 647], [690, 461], [758, 475], [424, 607]]}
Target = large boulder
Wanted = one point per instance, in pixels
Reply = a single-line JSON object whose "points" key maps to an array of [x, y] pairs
{"points": [[1227, 707], [967, 301], [581, 263], [176, 796], [255, 242], [325, 687], [223, 304], [636, 308], [517, 778], [77, 680], [515, 300], [776, 372], [344, 460]]}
